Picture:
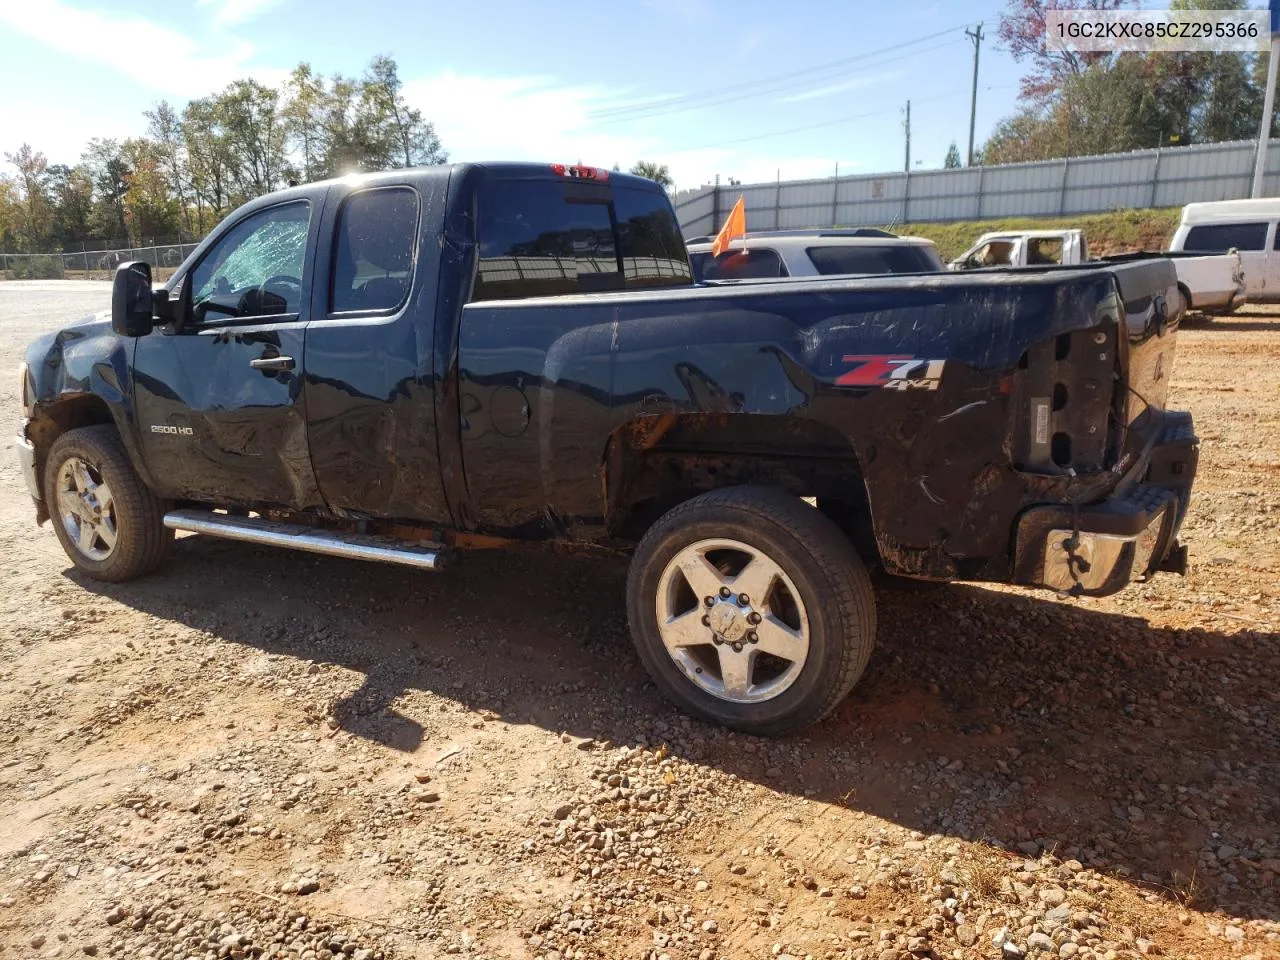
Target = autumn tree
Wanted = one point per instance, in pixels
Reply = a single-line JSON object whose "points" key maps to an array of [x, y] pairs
{"points": [[1075, 104], [34, 212]]}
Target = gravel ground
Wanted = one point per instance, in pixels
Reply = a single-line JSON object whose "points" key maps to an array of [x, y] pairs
{"points": [[263, 754]]}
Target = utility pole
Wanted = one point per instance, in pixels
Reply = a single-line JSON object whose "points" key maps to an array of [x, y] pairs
{"points": [[976, 36], [907, 125], [1268, 103]]}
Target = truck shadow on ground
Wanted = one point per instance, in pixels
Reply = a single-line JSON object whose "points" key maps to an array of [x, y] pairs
{"points": [[1032, 724]]}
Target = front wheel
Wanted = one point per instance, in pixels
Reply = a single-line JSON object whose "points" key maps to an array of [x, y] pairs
{"points": [[107, 520], [751, 609]]}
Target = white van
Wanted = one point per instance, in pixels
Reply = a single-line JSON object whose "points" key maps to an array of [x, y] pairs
{"points": [[1248, 226]]}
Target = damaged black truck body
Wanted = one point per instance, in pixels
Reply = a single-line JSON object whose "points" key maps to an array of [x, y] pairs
{"points": [[396, 366]]}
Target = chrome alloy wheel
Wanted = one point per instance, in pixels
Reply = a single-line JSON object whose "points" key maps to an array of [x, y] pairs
{"points": [[732, 620], [86, 508]]}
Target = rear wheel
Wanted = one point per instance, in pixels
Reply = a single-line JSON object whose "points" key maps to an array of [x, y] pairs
{"points": [[107, 520], [751, 609]]}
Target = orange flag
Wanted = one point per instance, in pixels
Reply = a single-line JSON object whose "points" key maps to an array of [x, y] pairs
{"points": [[734, 227]]}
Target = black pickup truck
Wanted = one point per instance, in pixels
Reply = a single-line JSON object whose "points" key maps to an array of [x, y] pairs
{"points": [[397, 366]]}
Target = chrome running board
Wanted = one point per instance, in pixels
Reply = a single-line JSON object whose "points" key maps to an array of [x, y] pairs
{"points": [[423, 555]]}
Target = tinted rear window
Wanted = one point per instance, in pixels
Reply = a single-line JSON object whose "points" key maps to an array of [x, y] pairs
{"points": [[890, 258], [755, 263], [373, 258], [1220, 237], [540, 238], [653, 252]]}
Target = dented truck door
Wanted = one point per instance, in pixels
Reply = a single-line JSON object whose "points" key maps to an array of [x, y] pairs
{"points": [[218, 393]]}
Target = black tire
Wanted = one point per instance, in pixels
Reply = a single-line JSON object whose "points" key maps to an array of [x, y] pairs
{"points": [[142, 541], [820, 561]]}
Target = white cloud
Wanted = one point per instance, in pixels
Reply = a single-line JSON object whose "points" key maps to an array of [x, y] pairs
{"points": [[520, 118], [539, 119], [232, 12], [856, 83], [149, 53]]}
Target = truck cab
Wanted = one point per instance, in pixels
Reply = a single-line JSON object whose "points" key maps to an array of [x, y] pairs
{"points": [[1023, 248]]}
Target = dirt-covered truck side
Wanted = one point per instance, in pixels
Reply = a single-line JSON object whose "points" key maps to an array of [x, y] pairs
{"points": [[399, 366]]}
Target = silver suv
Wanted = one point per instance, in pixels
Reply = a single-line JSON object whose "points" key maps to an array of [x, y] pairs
{"points": [[813, 253]]}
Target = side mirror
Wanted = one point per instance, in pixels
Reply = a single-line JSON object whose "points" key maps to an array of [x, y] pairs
{"points": [[131, 306]]}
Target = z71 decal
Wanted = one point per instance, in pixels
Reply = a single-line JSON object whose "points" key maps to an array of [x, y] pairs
{"points": [[893, 372]]}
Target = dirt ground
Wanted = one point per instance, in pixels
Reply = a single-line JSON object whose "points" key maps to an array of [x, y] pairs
{"points": [[263, 754]]}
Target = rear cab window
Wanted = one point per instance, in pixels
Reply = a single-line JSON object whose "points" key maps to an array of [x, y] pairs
{"points": [[872, 258], [1221, 237], [549, 237]]}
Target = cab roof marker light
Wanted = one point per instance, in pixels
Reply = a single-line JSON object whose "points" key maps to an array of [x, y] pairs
{"points": [[580, 172]]}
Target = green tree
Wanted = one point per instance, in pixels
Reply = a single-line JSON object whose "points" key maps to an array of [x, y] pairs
{"points": [[657, 172], [952, 161], [246, 111], [111, 182], [209, 160], [71, 193], [302, 114], [164, 126], [398, 136]]}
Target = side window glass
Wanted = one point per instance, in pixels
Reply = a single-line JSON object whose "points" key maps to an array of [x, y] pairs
{"points": [[1221, 237], [1044, 250], [536, 240], [255, 269], [373, 256]]}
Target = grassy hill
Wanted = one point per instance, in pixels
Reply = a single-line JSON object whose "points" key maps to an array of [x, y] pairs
{"points": [[1106, 233]]}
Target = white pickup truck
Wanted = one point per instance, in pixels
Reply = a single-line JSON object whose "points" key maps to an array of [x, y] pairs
{"points": [[1209, 283]]}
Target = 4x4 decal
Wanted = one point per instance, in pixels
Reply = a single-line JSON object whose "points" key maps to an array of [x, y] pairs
{"points": [[892, 371]]}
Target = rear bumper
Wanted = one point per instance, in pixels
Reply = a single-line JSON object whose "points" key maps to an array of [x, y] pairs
{"points": [[27, 462], [1098, 549]]}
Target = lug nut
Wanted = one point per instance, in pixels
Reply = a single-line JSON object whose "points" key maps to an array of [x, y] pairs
{"points": [[754, 618], [743, 599], [725, 591], [706, 621], [737, 648], [709, 601], [753, 637]]}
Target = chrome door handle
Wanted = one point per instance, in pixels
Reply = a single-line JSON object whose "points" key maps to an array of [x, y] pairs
{"points": [[272, 363]]}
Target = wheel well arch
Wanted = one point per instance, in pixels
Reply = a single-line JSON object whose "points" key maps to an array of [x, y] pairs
{"points": [[1186, 295], [654, 463], [51, 420]]}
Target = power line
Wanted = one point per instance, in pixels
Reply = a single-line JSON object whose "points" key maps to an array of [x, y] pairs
{"points": [[824, 123], [684, 101], [777, 89]]}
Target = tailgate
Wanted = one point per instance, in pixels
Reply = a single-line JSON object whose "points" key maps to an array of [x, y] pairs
{"points": [[1152, 309]]}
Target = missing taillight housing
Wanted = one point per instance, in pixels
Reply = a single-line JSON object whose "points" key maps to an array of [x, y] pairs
{"points": [[1063, 402]]}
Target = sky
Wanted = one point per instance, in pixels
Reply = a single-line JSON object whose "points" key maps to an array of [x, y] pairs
{"points": [[680, 82]]}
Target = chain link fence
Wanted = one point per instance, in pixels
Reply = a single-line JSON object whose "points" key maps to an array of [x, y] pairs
{"points": [[92, 264]]}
